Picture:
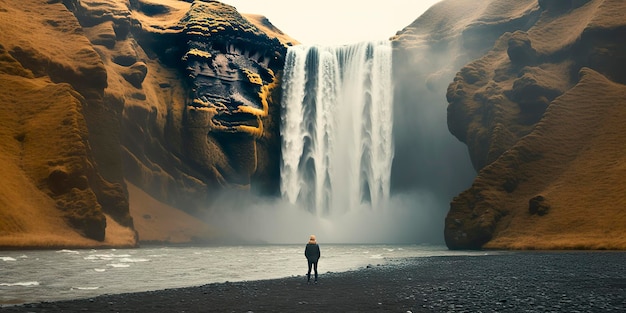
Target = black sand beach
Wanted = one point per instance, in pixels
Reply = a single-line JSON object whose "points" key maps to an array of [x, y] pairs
{"points": [[503, 282]]}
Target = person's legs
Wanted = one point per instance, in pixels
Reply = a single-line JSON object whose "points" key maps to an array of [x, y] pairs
{"points": [[308, 274], [315, 268]]}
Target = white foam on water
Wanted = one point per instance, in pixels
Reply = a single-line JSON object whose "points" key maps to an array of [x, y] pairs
{"points": [[106, 257], [60, 276], [131, 260], [85, 288], [22, 284], [68, 251]]}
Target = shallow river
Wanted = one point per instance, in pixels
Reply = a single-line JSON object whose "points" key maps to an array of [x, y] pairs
{"points": [[33, 276]]}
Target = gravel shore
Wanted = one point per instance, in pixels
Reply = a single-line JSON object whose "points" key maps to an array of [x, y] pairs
{"points": [[500, 282]]}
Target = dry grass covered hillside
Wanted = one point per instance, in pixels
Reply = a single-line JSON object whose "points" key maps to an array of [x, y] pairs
{"points": [[578, 171], [51, 192], [543, 116]]}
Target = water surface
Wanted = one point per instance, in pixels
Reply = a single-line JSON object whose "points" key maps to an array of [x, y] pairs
{"points": [[33, 275]]}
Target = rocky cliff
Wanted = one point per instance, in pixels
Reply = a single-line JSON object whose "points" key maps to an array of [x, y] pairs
{"points": [[54, 191], [539, 106], [169, 100], [121, 121]]}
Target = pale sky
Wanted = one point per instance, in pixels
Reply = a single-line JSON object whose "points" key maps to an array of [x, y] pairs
{"points": [[335, 22]]}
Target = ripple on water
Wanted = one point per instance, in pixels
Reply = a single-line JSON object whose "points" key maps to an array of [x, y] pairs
{"points": [[35, 278], [135, 260], [22, 284], [106, 257], [86, 288], [68, 251]]}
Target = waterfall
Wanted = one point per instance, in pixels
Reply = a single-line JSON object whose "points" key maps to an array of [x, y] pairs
{"points": [[336, 127]]}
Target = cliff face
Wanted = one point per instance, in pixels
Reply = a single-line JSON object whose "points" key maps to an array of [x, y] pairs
{"points": [[537, 101], [175, 99], [196, 83], [427, 55], [538, 109], [53, 191], [540, 114]]}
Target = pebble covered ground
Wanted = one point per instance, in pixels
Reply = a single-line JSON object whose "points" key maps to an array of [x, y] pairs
{"points": [[498, 282]]}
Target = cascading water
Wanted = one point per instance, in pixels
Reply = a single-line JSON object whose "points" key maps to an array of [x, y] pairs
{"points": [[336, 127]]}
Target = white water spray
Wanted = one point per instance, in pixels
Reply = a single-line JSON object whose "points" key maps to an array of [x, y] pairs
{"points": [[336, 126]]}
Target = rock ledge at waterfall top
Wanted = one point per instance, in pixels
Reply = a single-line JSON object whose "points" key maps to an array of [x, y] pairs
{"points": [[542, 113]]}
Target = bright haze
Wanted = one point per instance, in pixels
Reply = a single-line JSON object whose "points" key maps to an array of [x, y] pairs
{"points": [[336, 22]]}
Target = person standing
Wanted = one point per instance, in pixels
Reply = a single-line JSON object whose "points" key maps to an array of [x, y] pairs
{"points": [[312, 253]]}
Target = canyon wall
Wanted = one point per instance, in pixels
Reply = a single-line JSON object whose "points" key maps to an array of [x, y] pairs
{"points": [[538, 104], [54, 191], [122, 121], [169, 100]]}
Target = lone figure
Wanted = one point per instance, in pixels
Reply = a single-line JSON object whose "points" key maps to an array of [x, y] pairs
{"points": [[312, 253]]}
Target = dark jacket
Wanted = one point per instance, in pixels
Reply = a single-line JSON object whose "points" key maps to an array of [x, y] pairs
{"points": [[312, 252]]}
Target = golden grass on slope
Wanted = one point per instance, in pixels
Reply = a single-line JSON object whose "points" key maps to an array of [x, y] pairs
{"points": [[118, 235], [39, 130], [611, 241], [448, 19], [609, 14], [262, 23], [551, 34], [581, 173], [171, 11], [158, 222], [23, 207], [42, 127], [60, 237], [47, 37], [25, 211]]}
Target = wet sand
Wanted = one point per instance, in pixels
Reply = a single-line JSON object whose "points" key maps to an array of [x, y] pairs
{"points": [[503, 282]]}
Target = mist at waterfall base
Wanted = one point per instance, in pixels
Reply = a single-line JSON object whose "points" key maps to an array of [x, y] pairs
{"points": [[337, 182], [249, 219]]}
